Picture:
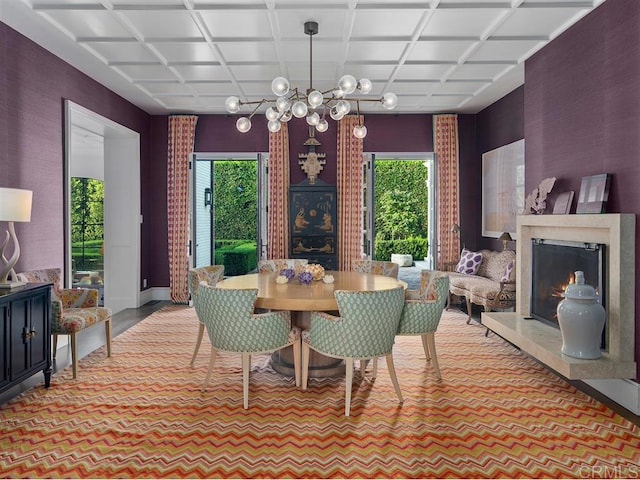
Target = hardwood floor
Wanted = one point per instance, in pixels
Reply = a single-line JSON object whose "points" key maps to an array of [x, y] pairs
{"points": [[94, 338]]}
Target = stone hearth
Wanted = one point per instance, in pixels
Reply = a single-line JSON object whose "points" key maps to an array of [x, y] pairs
{"points": [[544, 342]]}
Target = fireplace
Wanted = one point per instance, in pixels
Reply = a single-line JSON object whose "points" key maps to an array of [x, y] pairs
{"points": [[553, 264], [544, 342]]}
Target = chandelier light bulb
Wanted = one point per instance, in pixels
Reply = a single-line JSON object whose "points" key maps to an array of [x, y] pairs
{"points": [[299, 109], [343, 107], [283, 104], [365, 86], [335, 115], [322, 126], [243, 124], [359, 131], [315, 99], [273, 126], [389, 100], [348, 84], [313, 119], [280, 86], [338, 93], [272, 113], [286, 116], [232, 104]]}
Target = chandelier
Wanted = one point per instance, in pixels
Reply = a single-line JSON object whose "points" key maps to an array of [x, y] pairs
{"points": [[312, 104]]}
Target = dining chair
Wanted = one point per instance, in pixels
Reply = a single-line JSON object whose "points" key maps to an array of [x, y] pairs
{"points": [[211, 275], [365, 328], [280, 264], [72, 311], [422, 312], [233, 327], [377, 267]]}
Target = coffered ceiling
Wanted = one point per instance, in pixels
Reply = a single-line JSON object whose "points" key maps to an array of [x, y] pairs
{"points": [[189, 55]]}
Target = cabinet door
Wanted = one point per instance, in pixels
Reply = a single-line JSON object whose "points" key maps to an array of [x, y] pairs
{"points": [[40, 341], [4, 344], [19, 342]]}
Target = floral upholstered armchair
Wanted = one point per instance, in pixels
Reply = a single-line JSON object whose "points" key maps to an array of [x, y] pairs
{"points": [[72, 310]]}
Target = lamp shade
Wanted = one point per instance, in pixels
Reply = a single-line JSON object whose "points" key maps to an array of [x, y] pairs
{"points": [[505, 237], [15, 205]]}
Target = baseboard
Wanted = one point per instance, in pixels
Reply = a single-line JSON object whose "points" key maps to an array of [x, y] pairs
{"points": [[155, 293], [623, 392]]}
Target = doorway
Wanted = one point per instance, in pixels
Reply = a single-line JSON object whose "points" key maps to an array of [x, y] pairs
{"points": [[400, 205], [228, 210], [100, 149]]}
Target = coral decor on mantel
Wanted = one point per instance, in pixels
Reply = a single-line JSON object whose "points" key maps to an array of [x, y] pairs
{"points": [[536, 201]]}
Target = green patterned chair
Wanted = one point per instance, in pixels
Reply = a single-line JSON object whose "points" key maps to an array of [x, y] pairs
{"points": [[422, 311], [233, 327], [365, 329], [280, 264], [211, 275], [388, 269], [72, 311]]}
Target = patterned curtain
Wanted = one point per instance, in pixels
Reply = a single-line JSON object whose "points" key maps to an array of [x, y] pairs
{"points": [[349, 191], [278, 216], [182, 132], [446, 149]]}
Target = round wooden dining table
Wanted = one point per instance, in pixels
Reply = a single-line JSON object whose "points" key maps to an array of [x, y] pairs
{"points": [[301, 300]]}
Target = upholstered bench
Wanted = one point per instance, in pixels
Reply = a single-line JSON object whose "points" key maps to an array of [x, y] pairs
{"points": [[485, 278]]}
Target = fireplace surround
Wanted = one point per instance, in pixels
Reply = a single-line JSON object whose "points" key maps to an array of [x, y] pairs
{"points": [[544, 342]]}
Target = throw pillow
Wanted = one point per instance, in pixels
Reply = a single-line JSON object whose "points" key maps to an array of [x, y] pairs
{"points": [[506, 276], [469, 262]]}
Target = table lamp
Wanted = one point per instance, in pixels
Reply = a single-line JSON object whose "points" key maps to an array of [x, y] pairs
{"points": [[15, 206], [505, 237]]}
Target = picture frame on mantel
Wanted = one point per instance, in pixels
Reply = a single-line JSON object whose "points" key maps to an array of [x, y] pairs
{"points": [[594, 194], [562, 205]]}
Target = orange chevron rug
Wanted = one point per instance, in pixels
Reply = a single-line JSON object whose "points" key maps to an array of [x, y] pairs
{"points": [[141, 414]]}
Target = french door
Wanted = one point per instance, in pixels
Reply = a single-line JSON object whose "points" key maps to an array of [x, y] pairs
{"points": [[203, 203], [369, 197]]}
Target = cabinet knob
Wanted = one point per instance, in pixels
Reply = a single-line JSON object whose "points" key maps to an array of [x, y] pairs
{"points": [[30, 334]]}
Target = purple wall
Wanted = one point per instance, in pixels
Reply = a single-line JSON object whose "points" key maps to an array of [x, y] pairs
{"points": [[387, 133], [582, 110], [33, 86]]}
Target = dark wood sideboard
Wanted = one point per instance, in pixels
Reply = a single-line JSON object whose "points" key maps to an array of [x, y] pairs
{"points": [[25, 334]]}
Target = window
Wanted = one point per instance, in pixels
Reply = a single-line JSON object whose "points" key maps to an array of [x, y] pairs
{"points": [[87, 232]]}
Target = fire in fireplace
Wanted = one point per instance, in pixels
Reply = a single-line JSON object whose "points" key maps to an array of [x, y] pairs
{"points": [[553, 264]]}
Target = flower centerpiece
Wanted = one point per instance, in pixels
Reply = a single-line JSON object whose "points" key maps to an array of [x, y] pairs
{"points": [[288, 272], [317, 271], [305, 278]]}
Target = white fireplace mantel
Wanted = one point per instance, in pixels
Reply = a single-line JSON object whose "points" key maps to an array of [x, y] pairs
{"points": [[544, 342]]}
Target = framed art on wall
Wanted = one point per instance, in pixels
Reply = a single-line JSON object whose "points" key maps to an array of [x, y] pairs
{"points": [[594, 193], [502, 189]]}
